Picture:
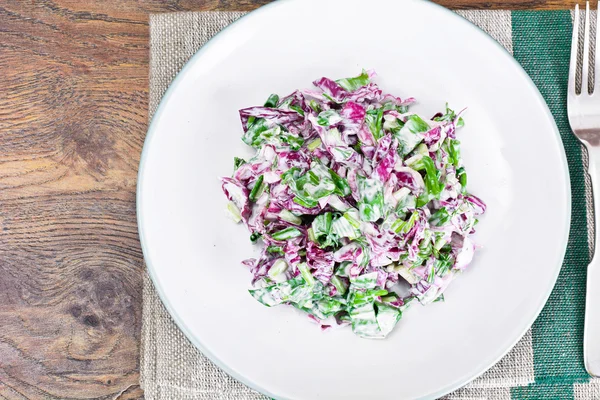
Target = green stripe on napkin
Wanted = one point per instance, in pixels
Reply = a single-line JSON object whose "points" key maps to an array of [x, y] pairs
{"points": [[542, 43]]}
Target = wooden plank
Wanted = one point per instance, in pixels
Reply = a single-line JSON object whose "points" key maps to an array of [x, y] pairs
{"points": [[70, 291], [73, 111]]}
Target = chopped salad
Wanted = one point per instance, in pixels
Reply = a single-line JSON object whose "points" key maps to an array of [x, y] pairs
{"points": [[361, 206]]}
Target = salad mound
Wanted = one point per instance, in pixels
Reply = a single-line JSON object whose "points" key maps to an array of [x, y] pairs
{"points": [[360, 204]]}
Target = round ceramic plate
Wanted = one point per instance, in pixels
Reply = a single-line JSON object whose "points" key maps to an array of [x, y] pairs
{"points": [[511, 148]]}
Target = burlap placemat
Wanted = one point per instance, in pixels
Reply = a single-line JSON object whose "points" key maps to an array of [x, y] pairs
{"points": [[171, 367]]}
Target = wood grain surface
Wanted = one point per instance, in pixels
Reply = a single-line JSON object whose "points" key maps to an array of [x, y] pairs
{"points": [[73, 111]]}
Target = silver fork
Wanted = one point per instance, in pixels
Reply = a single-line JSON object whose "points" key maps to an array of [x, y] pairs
{"points": [[584, 117]]}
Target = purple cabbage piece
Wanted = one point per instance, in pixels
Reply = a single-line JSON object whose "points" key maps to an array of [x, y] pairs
{"points": [[273, 115], [355, 255], [298, 100], [256, 220], [292, 253], [238, 194], [320, 262], [259, 268], [411, 179], [385, 157], [291, 159], [366, 94], [397, 100], [368, 141], [433, 135], [332, 89], [353, 115], [478, 205]]}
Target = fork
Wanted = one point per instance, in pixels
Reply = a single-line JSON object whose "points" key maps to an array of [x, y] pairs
{"points": [[584, 117]]}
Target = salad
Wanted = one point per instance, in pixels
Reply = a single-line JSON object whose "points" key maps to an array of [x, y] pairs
{"points": [[360, 205]]}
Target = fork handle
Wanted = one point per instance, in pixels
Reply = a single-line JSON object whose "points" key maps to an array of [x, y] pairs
{"points": [[591, 333]]}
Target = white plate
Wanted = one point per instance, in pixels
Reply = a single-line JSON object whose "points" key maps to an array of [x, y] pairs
{"points": [[513, 155]]}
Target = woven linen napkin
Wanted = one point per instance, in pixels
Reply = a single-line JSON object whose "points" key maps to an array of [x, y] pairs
{"points": [[546, 363]]}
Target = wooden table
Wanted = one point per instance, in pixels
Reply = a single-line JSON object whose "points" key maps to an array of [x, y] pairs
{"points": [[73, 113]]}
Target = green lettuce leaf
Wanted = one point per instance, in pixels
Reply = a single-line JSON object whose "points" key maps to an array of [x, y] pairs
{"points": [[351, 84]]}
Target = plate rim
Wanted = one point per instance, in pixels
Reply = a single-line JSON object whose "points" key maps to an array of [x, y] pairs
{"points": [[151, 133]]}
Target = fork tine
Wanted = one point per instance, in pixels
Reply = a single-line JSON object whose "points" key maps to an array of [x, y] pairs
{"points": [[597, 58], [574, 48], [586, 51]]}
